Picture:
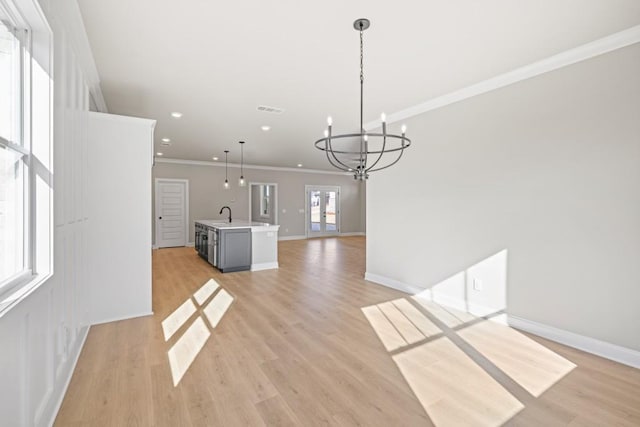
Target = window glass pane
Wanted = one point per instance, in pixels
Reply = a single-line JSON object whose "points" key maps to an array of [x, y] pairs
{"points": [[9, 83], [12, 166], [12, 190]]}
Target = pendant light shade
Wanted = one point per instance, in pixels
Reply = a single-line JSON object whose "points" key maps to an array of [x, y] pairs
{"points": [[226, 177], [242, 182]]}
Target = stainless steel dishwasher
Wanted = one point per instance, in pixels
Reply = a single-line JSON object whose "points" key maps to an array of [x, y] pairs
{"points": [[213, 247]]}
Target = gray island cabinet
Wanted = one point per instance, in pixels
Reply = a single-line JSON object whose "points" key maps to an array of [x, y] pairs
{"points": [[234, 249], [237, 246]]}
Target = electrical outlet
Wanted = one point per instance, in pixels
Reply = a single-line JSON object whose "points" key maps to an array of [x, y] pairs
{"points": [[301, 211], [477, 284], [284, 211]]}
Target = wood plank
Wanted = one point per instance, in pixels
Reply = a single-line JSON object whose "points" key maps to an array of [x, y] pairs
{"points": [[296, 347]]}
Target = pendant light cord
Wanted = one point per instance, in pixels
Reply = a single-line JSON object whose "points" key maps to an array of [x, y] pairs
{"points": [[226, 171]]}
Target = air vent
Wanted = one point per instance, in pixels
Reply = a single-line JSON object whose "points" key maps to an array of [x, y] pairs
{"points": [[267, 109]]}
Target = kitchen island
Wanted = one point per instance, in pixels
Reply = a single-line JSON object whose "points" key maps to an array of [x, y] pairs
{"points": [[237, 245]]}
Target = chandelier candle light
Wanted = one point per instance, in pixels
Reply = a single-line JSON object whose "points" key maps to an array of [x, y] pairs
{"points": [[363, 152], [241, 181], [226, 180]]}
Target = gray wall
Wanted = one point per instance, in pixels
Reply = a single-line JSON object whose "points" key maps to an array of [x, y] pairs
{"points": [[206, 195], [546, 172]]}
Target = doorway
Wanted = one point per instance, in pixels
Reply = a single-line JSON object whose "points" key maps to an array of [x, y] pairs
{"points": [[322, 208], [171, 212], [263, 202]]}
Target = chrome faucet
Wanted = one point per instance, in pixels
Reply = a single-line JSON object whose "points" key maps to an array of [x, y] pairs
{"points": [[226, 207]]}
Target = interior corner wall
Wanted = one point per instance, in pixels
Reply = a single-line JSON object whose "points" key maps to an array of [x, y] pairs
{"points": [[206, 195], [546, 170]]}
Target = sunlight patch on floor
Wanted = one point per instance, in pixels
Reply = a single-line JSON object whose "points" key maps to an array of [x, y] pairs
{"points": [[203, 294], [175, 320], [449, 358], [185, 350], [447, 315], [533, 366], [388, 334], [425, 325], [218, 307], [452, 388], [404, 326]]}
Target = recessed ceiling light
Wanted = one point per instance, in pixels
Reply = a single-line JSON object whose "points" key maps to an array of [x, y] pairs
{"points": [[215, 158], [158, 154], [166, 140], [265, 128], [176, 114], [299, 165]]}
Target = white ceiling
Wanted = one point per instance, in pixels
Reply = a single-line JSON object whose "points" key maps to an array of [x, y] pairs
{"points": [[217, 61]]}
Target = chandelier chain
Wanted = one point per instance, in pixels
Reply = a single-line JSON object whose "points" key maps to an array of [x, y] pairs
{"points": [[361, 58]]}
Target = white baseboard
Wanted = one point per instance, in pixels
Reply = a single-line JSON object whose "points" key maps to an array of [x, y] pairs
{"points": [[604, 349], [117, 319], [154, 247], [393, 283], [264, 266], [62, 389], [301, 237]]}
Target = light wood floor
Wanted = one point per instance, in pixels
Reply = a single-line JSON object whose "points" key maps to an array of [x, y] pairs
{"points": [[312, 343]]}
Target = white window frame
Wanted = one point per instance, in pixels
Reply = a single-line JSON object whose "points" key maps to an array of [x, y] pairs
{"points": [[22, 37], [35, 38]]}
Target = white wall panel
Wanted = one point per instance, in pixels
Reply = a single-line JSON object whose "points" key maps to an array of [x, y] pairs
{"points": [[42, 335], [120, 203]]}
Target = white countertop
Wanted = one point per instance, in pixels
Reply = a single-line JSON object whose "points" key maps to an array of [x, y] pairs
{"points": [[255, 226]]}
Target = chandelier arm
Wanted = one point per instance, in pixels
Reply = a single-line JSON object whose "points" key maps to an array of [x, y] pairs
{"points": [[337, 166], [351, 135], [389, 165], [330, 150], [384, 143]]}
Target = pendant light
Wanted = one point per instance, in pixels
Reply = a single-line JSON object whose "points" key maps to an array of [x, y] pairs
{"points": [[226, 180], [241, 181], [363, 152]]}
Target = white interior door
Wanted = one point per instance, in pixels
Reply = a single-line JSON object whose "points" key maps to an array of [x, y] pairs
{"points": [[172, 197], [323, 211]]}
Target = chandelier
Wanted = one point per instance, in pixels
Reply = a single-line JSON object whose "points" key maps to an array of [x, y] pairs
{"points": [[363, 152]]}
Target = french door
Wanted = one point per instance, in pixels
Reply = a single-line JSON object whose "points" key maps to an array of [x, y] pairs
{"points": [[323, 211]]}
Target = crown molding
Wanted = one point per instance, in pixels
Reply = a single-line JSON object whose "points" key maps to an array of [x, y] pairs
{"points": [[581, 53], [237, 165]]}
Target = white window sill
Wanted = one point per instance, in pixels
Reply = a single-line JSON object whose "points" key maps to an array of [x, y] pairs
{"points": [[19, 289]]}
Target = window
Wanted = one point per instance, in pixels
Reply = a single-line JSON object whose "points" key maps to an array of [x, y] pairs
{"points": [[14, 158], [265, 195]]}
